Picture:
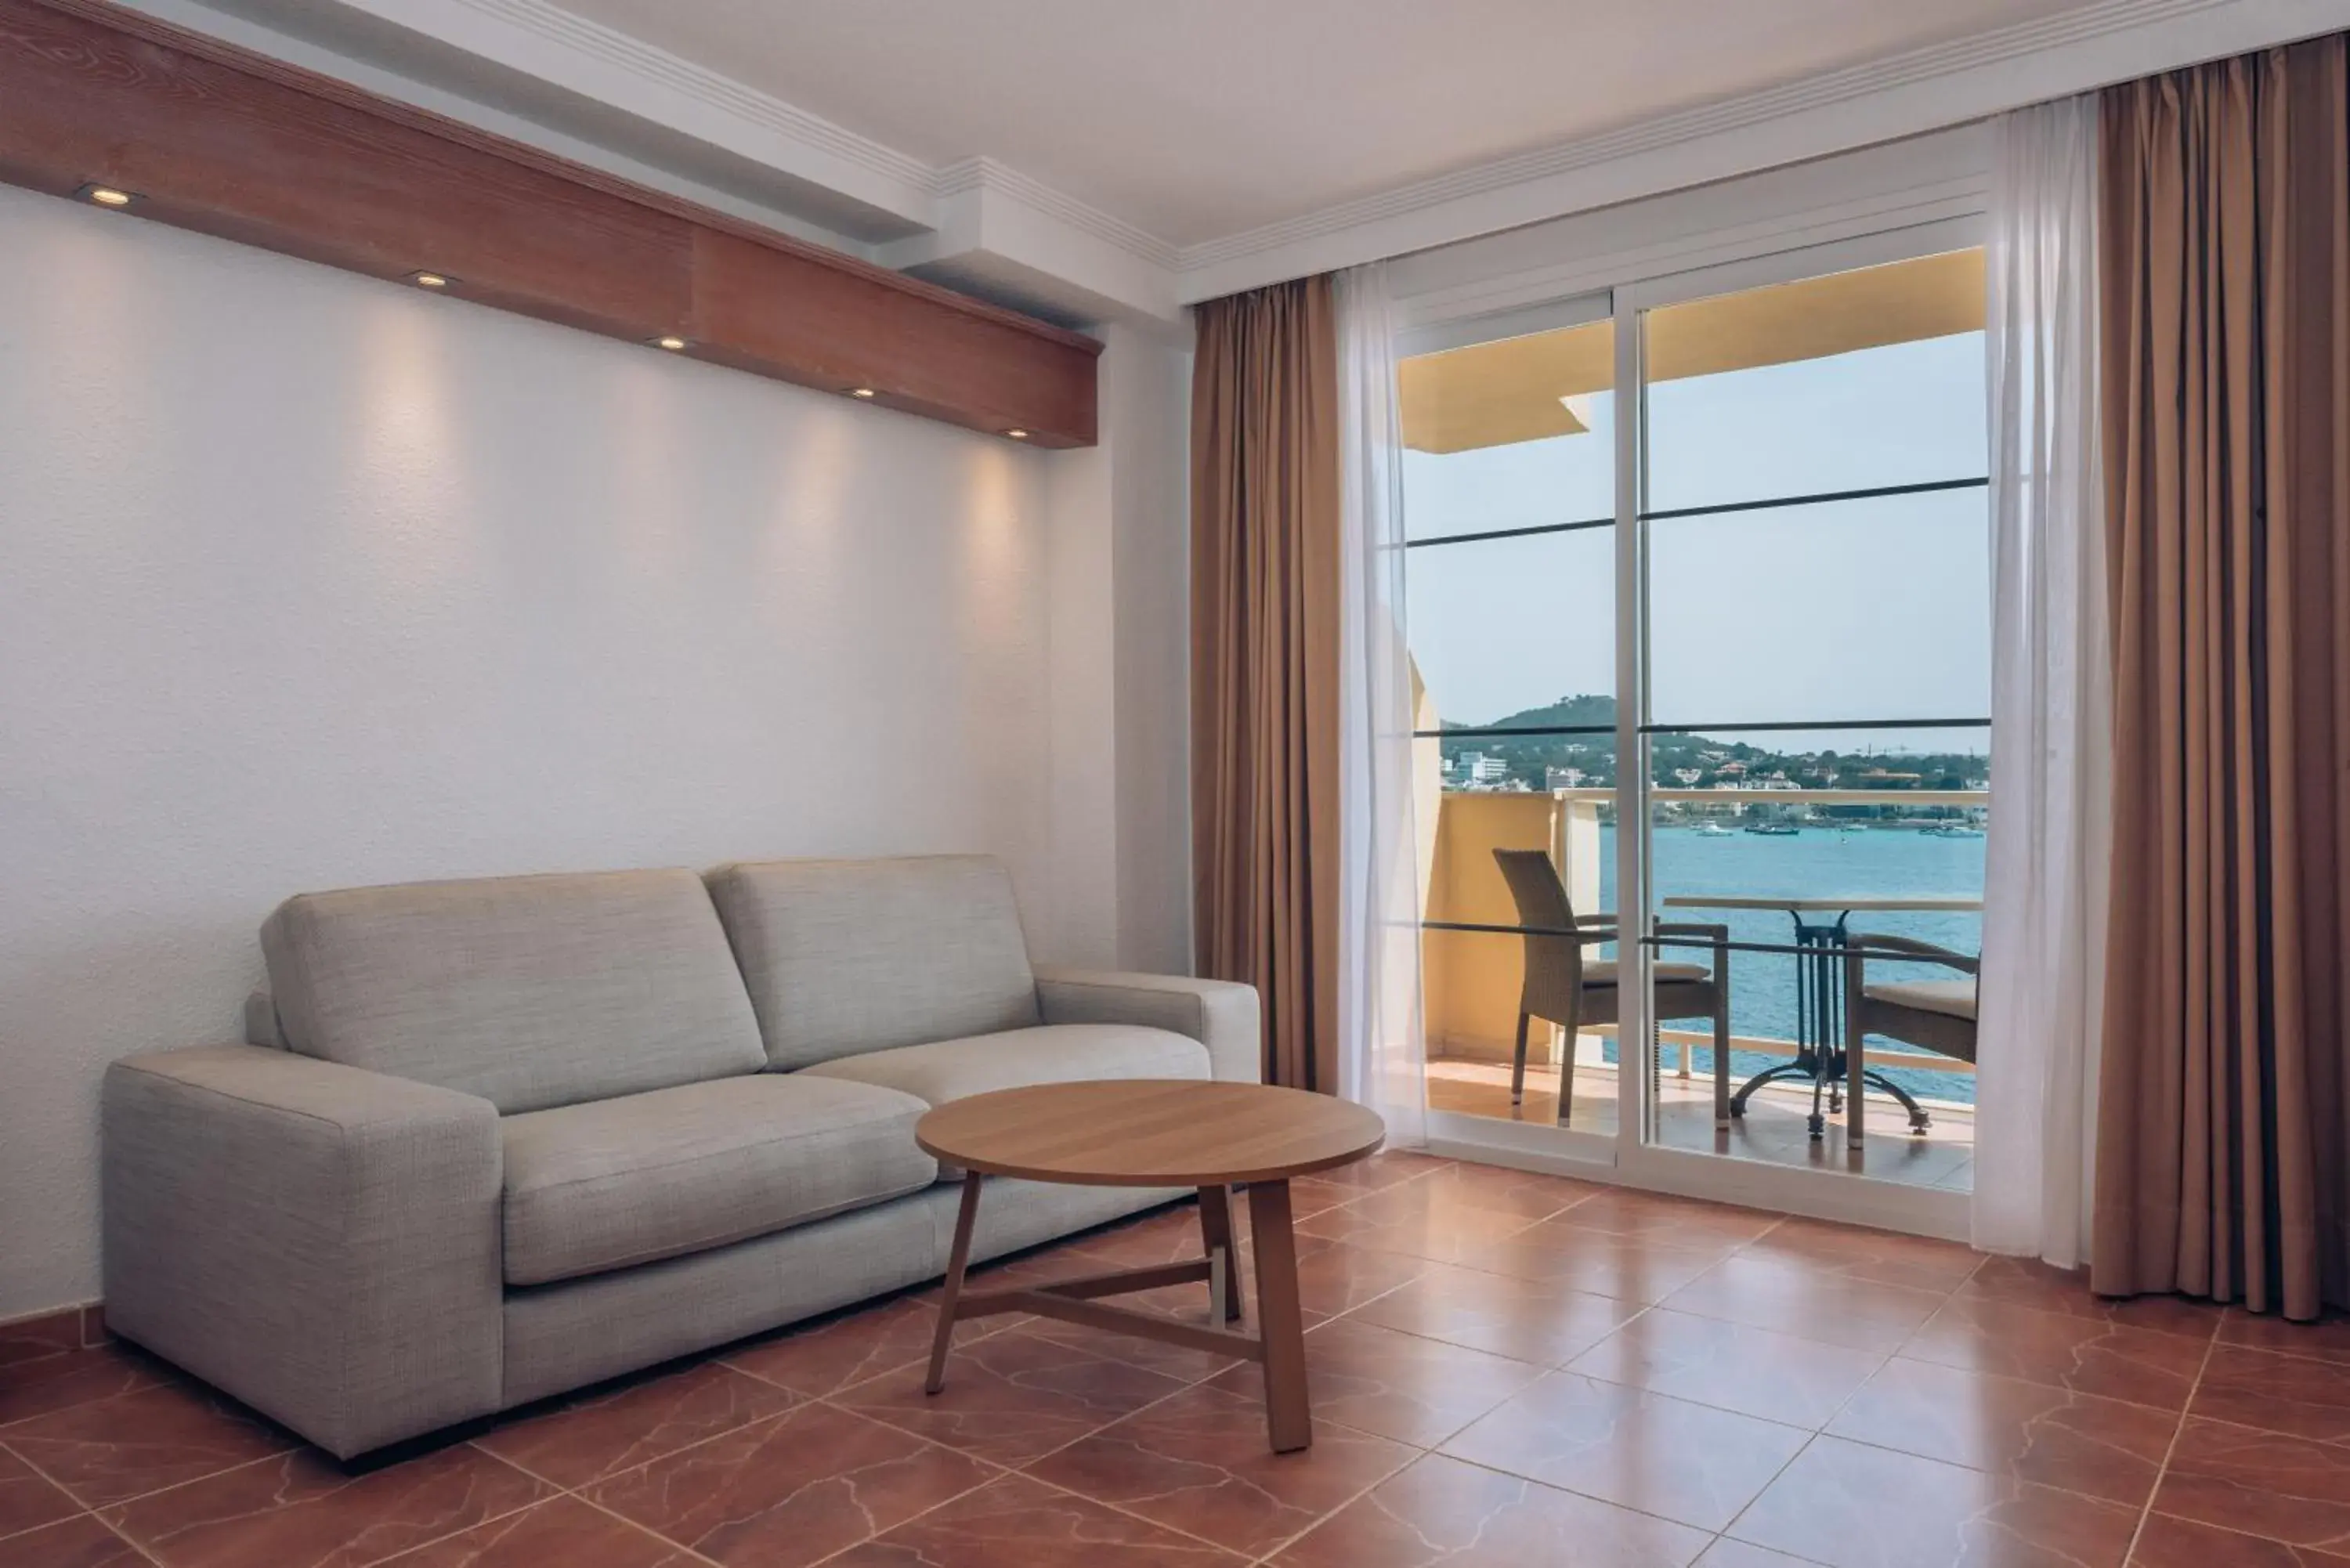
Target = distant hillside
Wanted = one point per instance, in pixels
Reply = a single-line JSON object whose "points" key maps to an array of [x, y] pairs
{"points": [[1712, 761]]}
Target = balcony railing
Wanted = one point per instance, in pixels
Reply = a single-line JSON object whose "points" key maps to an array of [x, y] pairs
{"points": [[1473, 980]]}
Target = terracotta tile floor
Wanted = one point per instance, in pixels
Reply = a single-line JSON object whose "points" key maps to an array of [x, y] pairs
{"points": [[1507, 1370]]}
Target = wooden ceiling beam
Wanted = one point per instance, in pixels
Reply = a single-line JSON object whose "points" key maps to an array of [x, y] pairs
{"points": [[210, 137]]}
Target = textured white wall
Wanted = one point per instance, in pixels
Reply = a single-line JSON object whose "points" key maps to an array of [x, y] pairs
{"points": [[1118, 557], [307, 581]]}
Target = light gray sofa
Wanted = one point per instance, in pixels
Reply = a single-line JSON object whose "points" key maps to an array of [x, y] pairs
{"points": [[492, 1140]]}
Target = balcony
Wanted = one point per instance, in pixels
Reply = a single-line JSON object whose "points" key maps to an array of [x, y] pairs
{"points": [[1847, 842]]}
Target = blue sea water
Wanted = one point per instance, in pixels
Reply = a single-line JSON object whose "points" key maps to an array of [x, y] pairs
{"points": [[1818, 862]]}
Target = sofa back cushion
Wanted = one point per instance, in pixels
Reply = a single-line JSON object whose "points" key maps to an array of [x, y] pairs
{"points": [[849, 956], [529, 991]]}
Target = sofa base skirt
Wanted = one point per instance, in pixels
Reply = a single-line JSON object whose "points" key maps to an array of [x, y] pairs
{"points": [[1016, 1214], [563, 1336]]}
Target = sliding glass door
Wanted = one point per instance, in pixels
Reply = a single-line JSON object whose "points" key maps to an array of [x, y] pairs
{"points": [[1510, 509], [1711, 671]]}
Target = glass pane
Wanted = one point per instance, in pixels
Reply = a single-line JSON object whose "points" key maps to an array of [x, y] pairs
{"points": [[1473, 981], [1782, 837], [1846, 383], [1518, 433], [1855, 609], [1517, 633]]}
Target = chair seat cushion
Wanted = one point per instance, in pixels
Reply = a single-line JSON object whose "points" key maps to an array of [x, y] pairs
{"points": [[1602, 971], [1951, 998], [616, 1182], [1015, 1058]]}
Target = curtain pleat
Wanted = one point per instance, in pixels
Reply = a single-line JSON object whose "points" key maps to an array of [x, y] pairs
{"points": [[2223, 1128], [1264, 662]]}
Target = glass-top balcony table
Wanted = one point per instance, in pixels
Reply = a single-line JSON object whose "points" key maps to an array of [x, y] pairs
{"points": [[1819, 991]]}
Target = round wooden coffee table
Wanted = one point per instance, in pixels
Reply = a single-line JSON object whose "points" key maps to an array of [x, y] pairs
{"points": [[1154, 1132]]}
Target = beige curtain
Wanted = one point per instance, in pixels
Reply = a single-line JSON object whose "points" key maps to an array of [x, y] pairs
{"points": [[2223, 1154], [1265, 664]]}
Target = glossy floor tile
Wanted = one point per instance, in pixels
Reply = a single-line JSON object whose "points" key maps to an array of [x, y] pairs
{"points": [[1459, 1515], [585, 1439], [1504, 1368], [49, 1384], [1198, 1462], [1791, 1295], [1017, 1522], [117, 1450], [851, 1347], [2033, 1433], [1754, 1371], [299, 1510], [2271, 1484], [1527, 1320], [2283, 1393], [791, 1490], [28, 1498], [2088, 1354], [562, 1530], [2164, 1541], [1642, 1269], [1395, 1385], [1687, 1462], [1013, 1397], [81, 1541], [1849, 1505]]}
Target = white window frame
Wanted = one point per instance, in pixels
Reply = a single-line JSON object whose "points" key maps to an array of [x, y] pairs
{"points": [[1627, 1158]]}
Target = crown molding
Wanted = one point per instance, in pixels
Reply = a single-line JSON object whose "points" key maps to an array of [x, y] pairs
{"points": [[1001, 179], [1899, 96], [952, 219], [871, 199], [564, 29]]}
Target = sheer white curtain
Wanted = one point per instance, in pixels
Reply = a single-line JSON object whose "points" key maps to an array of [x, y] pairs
{"points": [[2052, 696], [1382, 1046]]}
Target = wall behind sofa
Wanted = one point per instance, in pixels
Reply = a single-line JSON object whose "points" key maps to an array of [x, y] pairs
{"points": [[308, 580]]}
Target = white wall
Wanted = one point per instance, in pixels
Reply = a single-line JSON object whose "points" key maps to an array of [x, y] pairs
{"points": [[308, 580], [1147, 409], [1119, 557]]}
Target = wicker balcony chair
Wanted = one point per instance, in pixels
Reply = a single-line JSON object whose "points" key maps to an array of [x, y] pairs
{"points": [[1575, 992], [1937, 1014]]}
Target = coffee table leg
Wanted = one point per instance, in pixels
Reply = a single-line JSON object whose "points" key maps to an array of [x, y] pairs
{"points": [[957, 1261], [1216, 1234], [1281, 1326]]}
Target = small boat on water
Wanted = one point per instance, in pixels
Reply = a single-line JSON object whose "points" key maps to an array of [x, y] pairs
{"points": [[1713, 830], [1952, 830], [1772, 830]]}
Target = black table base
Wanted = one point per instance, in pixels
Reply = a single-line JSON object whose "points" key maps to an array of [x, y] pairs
{"points": [[1819, 1031]]}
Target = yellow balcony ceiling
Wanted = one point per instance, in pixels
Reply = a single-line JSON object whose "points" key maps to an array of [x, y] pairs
{"points": [[1518, 389]]}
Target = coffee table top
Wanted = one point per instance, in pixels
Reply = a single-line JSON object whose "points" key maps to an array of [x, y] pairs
{"points": [[1150, 1132]]}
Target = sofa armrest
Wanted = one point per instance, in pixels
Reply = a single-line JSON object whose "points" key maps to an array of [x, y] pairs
{"points": [[1220, 1014], [322, 1242]]}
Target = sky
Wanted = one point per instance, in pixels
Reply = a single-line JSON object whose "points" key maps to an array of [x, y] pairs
{"points": [[1876, 609]]}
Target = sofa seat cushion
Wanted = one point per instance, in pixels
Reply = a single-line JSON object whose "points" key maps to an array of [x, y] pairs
{"points": [[1049, 1054], [616, 1182]]}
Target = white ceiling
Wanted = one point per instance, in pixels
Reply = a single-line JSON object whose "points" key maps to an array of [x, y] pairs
{"points": [[1195, 120]]}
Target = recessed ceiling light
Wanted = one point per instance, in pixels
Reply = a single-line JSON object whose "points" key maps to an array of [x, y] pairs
{"points": [[428, 280], [108, 195], [860, 391], [1017, 435], [671, 343]]}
